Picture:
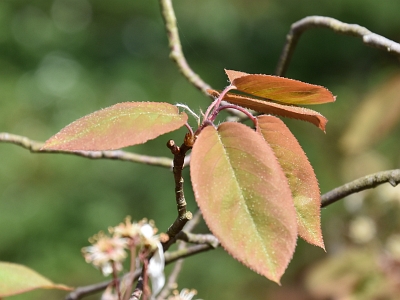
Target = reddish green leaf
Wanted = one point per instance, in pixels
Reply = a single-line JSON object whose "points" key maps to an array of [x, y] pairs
{"points": [[244, 197], [268, 107], [300, 175], [121, 125], [279, 89], [17, 279]]}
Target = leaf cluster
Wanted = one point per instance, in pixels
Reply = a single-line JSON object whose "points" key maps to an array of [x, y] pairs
{"points": [[255, 187]]}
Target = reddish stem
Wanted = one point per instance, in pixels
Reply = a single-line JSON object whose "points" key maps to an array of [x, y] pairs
{"points": [[189, 128], [116, 281], [216, 103], [233, 106], [132, 247], [145, 279]]}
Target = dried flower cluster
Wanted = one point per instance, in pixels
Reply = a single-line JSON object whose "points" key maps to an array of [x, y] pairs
{"points": [[107, 253], [185, 294]]}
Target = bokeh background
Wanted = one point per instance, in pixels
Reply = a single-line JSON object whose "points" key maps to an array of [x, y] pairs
{"points": [[62, 59]]}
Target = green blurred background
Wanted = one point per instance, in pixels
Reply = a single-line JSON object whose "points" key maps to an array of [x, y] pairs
{"points": [[62, 59]]}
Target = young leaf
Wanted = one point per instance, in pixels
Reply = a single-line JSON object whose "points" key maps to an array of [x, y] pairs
{"points": [[244, 197], [121, 125], [269, 107], [17, 279], [279, 89], [300, 175]]}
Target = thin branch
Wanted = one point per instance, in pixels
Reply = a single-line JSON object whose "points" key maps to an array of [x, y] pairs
{"points": [[34, 147], [364, 183], [198, 238], [369, 38], [176, 54], [183, 215], [178, 57]]}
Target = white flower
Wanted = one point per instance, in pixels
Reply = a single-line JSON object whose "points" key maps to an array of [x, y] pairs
{"points": [[156, 270], [148, 237], [127, 229], [106, 252]]}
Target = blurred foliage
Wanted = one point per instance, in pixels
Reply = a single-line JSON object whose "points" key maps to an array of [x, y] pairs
{"points": [[62, 59]]}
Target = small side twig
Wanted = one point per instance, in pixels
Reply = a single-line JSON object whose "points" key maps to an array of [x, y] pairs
{"points": [[364, 183], [369, 38], [34, 147], [198, 238], [176, 53]]}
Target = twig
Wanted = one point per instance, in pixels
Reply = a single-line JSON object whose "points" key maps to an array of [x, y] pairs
{"points": [[183, 215], [369, 38], [198, 238], [176, 54], [116, 280], [35, 146], [367, 182], [178, 57]]}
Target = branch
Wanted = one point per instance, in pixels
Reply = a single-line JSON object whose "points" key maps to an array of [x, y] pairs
{"points": [[183, 215], [364, 183], [369, 38], [35, 146], [176, 54], [178, 57]]}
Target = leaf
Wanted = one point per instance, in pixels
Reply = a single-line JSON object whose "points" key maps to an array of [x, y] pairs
{"points": [[121, 125], [279, 89], [244, 197], [300, 175], [268, 107], [17, 279]]}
